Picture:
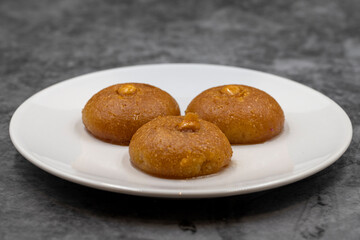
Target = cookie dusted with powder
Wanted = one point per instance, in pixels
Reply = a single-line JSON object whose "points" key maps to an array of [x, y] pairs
{"points": [[179, 147], [245, 114], [116, 112]]}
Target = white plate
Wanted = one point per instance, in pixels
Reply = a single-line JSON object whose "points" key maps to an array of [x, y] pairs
{"points": [[47, 130]]}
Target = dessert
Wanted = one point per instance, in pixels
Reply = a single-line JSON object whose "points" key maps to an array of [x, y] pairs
{"points": [[245, 114], [179, 147], [116, 112]]}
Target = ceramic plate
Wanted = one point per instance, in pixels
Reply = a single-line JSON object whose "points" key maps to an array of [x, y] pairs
{"points": [[47, 130]]}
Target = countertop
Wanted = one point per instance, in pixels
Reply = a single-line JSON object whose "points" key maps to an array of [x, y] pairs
{"points": [[43, 42]]}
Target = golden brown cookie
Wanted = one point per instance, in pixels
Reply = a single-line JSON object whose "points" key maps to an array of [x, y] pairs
{"points": [[245, 114], [116, 112], [179, 147]]}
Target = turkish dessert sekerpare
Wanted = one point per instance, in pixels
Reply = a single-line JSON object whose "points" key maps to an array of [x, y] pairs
{"points": [[179, 147], [245, 114], [116, 112]]}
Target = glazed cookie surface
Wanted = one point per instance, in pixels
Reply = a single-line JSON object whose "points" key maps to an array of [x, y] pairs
{"points": [[116, 112], [179, 147], [245, 114]]}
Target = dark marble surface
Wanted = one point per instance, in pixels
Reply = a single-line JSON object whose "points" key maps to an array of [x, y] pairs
{"points": [[43, 42]]}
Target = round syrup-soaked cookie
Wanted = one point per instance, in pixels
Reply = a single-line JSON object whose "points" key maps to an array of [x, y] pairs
{"points": [[245, 114], [116, 112], [180, 147]]}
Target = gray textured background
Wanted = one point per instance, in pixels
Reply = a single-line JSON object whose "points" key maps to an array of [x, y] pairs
{"points": [[43, 42]]}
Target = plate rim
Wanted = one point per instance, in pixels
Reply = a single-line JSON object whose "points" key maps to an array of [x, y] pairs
{"points": [[175, 193]]}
